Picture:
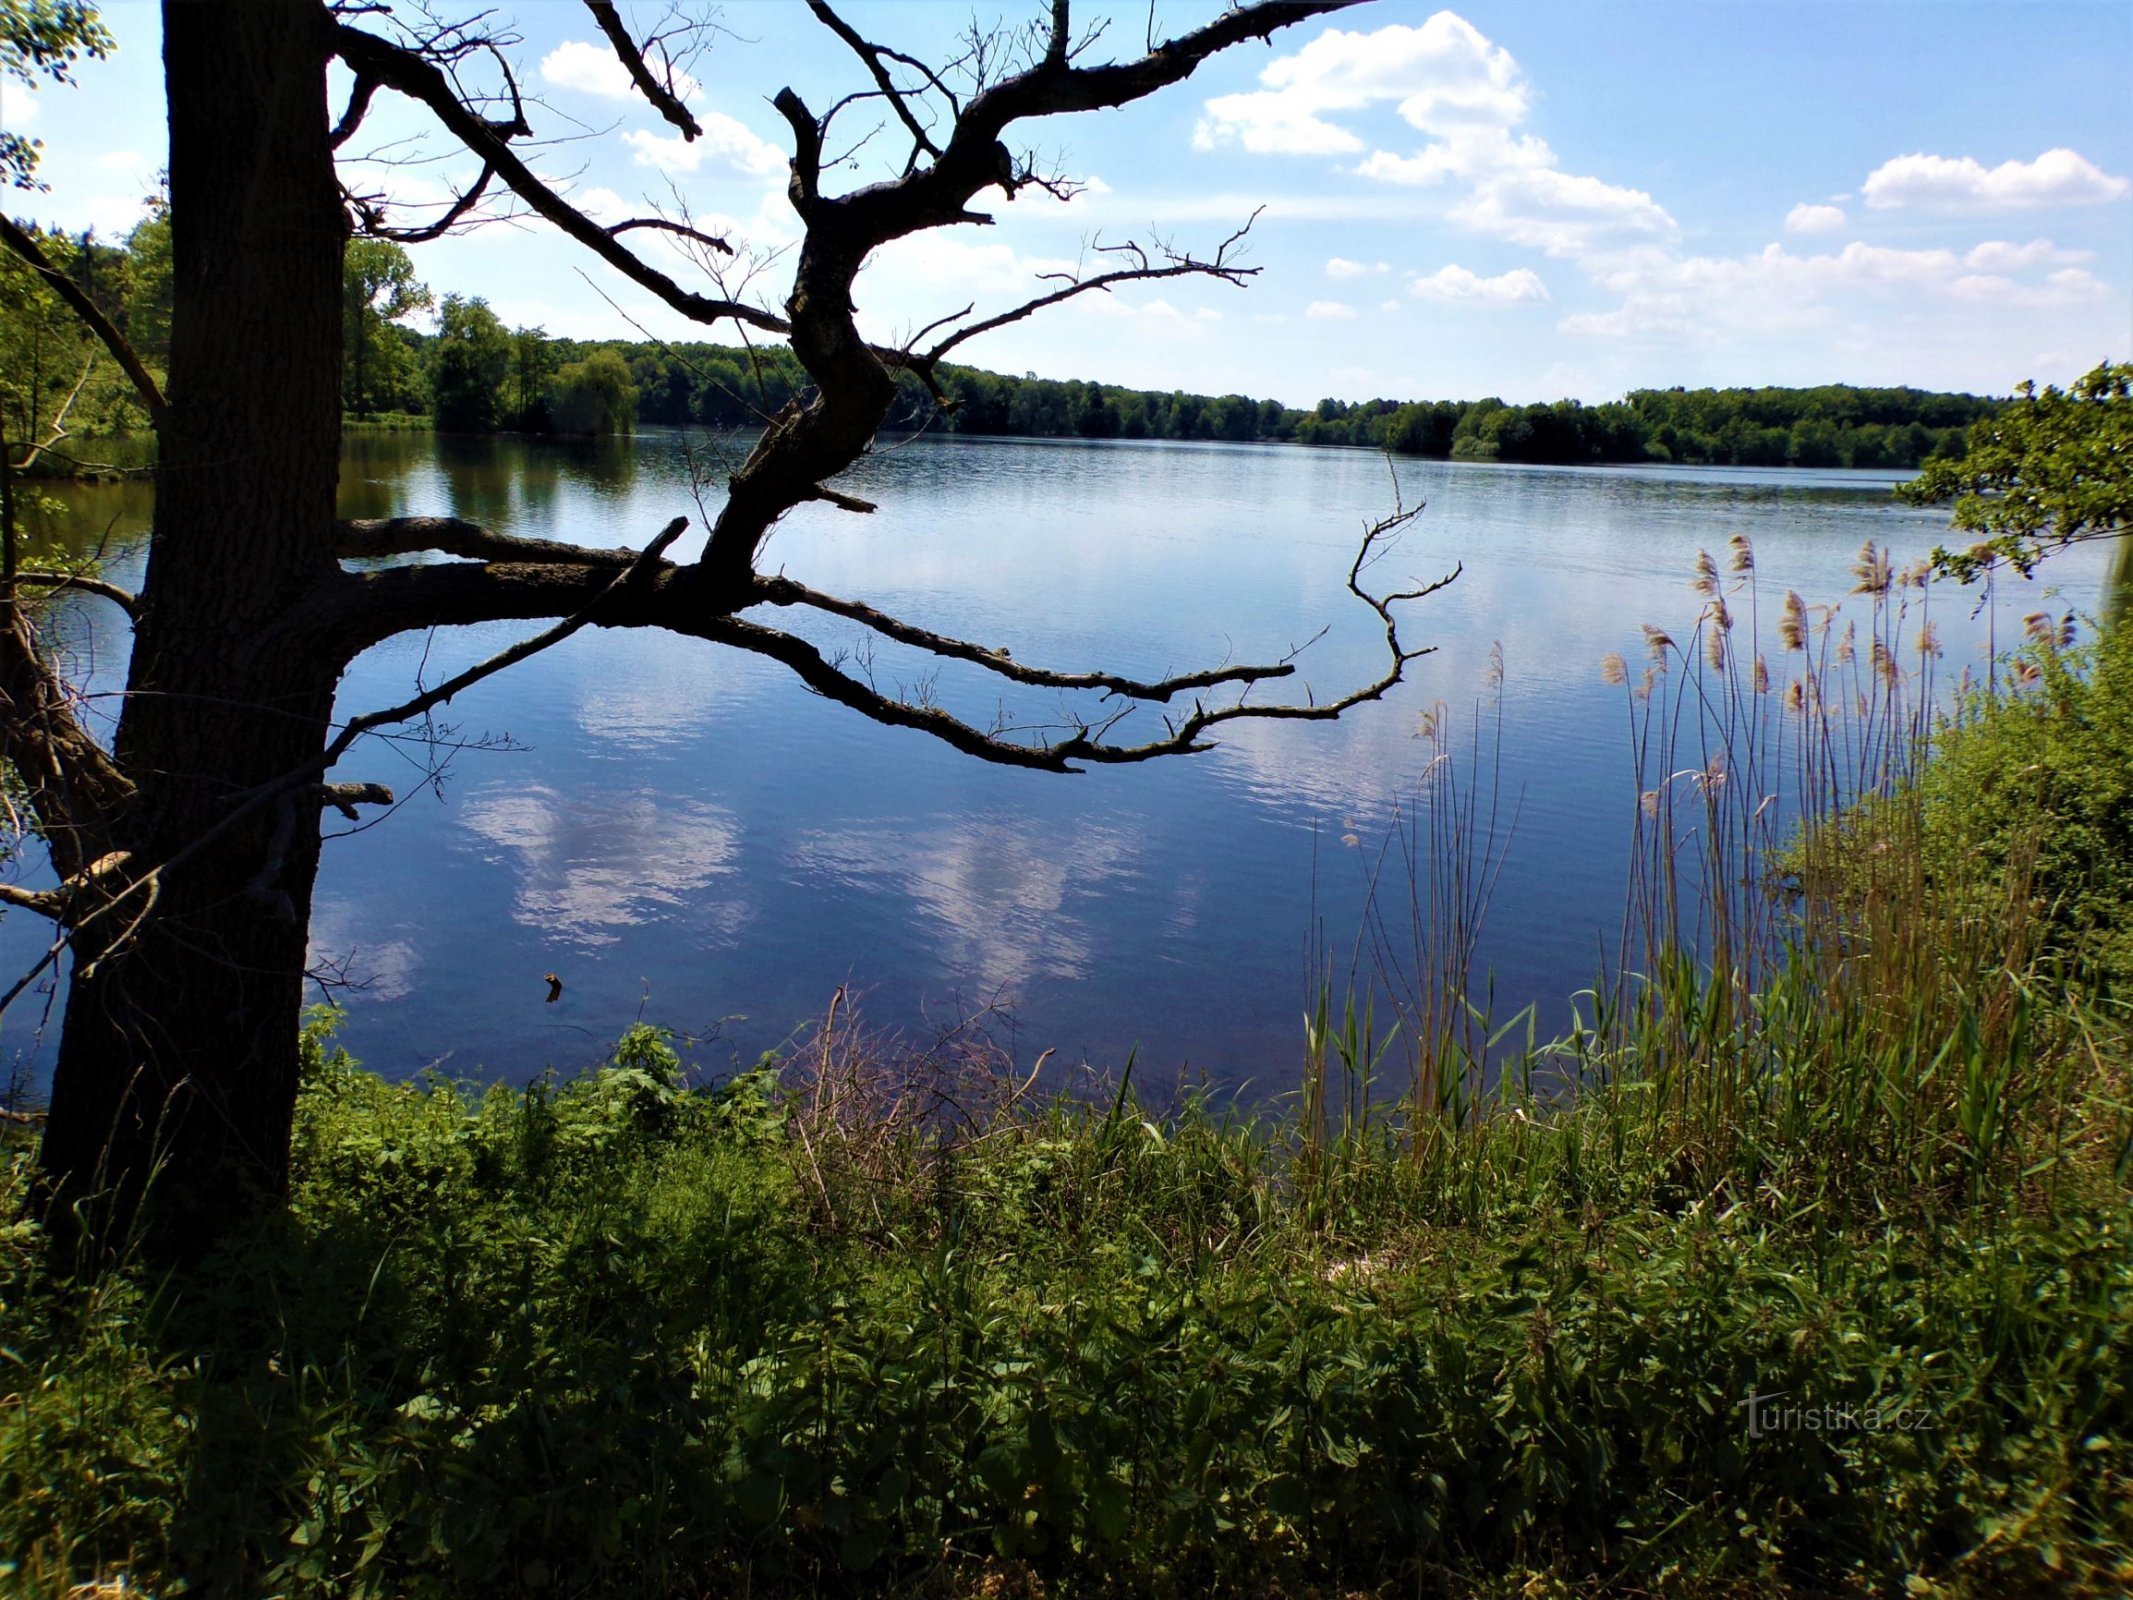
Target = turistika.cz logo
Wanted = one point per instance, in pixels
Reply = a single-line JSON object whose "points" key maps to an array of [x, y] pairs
{"points": [[1769, 1413]]}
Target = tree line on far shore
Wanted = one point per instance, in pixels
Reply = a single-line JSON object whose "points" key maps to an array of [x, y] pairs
{"points": [[476, 375]]}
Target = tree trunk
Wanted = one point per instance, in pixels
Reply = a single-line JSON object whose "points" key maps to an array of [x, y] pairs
{"points": [[179, 1054]]}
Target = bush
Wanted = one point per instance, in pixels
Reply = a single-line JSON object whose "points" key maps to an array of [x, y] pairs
{"points": [[2040, 780]]}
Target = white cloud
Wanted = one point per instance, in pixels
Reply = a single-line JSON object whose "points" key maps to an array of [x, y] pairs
{"points": [[600, 202], [1329, 311], [1561, 214], [593, 69], [1806, 218], [725, 142], [2056, 178], [1269, 124], [18, 107], [1518, 286], [1472, 153], [1339, 268], [2069, 286], [1707, 298], [1449, 81], [1997, 255], [578, 894], [1443, 75]]}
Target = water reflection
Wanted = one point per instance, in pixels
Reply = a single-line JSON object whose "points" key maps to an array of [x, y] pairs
{"points": [[1007, 900], [686, 834], [593, 862]]}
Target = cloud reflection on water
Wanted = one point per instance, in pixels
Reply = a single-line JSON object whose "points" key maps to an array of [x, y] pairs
{"points": [[1005, 900], [593, 863]]}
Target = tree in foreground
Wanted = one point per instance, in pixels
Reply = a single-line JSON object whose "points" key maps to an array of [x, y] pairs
{"points": [[186, 848], [2052, 468]]}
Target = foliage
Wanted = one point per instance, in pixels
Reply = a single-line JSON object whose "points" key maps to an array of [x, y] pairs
{"points": [[378, 291], [57, 382], [620, 1335], [468, 365], [43, 39], [2050, 468], [2041, 779], [593, 396], [490, 379], [861, 1321]]}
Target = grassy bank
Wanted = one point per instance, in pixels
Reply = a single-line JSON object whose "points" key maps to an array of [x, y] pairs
{"points": [[1805, 1267]]}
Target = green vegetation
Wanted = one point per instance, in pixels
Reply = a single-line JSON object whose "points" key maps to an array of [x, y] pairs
{"points": [[1806, 1268], [2044, 471], [474, 375], [58, 386], [42, 39], [380, 368]]}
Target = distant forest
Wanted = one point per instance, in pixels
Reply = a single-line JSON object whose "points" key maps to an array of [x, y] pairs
{"points": [[475, 375], [1834, 425]]}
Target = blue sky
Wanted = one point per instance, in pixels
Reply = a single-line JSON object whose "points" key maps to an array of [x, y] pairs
{"points": [[1529, 200]]}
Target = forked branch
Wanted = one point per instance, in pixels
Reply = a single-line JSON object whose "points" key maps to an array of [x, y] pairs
{"points": [[1169, 264], [662, 97], [408, 73]]}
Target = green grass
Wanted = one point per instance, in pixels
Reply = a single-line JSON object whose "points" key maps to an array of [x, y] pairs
{"points": [[387, 422], [868, 1320], [795, 1334]]}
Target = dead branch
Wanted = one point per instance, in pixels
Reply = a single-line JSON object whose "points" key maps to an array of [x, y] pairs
{"points": [[76, 790], [664, 225], [783, 591], [1174, 266], [282, 791], [873, 57], [661, 95], [359, 98], [369, 538], [356, 727], [370, 213], [408, 73], [74, 580]]}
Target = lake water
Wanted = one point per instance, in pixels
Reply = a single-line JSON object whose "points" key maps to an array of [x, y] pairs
{"points": [[686, 835]]}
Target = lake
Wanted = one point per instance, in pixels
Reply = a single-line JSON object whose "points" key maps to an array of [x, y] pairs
{"points": [[686, 835]]}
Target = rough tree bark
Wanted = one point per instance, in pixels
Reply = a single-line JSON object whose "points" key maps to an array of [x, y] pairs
{"points": [[179, 1042], [188, 852]]}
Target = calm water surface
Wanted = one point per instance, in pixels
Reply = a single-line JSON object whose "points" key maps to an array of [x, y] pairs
{"points": [[687, 835]]}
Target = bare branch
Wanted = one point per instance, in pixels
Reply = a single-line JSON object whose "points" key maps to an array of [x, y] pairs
{"points": [[844, 502], [785, 592], [358, 108], [75, 580], [77, 791], [408, 73], [283, 790], [809, 665], [345, 797], [662, 96], [1174, 267], [87, 309], [44, 902], [871, 55], [1185, 737], [807, 149], [371, 213], [666, 226], [372, 537], [356, 727]]}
